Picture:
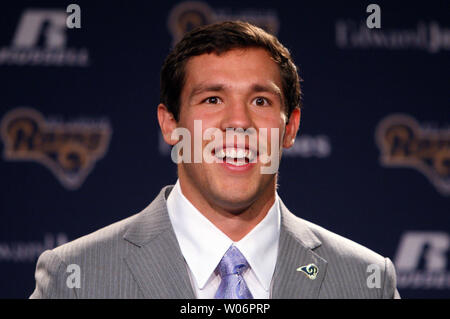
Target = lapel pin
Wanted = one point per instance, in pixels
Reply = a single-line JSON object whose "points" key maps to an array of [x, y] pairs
{"points": [[310, 271]]}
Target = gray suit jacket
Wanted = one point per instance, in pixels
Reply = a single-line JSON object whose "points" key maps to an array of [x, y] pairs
{"points": [[139, 257]]}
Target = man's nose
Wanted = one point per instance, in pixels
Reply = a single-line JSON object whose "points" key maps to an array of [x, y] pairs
{"points": [[236, 115]]}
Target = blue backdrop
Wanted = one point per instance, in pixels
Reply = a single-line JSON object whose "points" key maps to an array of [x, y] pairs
{"points": [[80, 144]]}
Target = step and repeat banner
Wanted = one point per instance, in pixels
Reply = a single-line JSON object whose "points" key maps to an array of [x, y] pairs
{"points": [[80, 146]]}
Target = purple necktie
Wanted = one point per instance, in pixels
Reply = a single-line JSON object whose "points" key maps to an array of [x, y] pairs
{"points": [[230, 269]]}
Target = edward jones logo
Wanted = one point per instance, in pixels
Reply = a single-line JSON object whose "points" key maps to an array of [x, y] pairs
{"points": [[50, 26], [427, 36], [404, 143], [68, 149]]}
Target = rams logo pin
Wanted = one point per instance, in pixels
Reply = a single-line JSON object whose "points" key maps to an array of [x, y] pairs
{"points": [[310, 271]]}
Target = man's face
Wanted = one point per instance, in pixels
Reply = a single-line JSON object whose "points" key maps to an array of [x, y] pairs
{"points": [[240, 88]]}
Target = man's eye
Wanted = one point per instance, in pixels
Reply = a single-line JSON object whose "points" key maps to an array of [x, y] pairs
{"points": [[212, 100], [261, 101]]}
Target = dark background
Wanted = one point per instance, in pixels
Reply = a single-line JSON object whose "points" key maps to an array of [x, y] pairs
{"points": [[346, 93]]}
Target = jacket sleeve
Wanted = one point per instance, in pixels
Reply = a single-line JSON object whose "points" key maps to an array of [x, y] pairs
{"points": [[51, 278], [390, 281]]}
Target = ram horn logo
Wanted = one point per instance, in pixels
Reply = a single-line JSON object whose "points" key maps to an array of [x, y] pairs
{"points": [[404, 143], [69, 149], [310, 271], [188, 15]]}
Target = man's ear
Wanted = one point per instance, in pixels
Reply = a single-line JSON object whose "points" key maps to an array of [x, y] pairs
{"points": [[292, 128], [167, 123]]}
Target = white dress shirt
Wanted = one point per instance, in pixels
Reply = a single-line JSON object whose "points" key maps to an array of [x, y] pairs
{"points": [[203, 246]]}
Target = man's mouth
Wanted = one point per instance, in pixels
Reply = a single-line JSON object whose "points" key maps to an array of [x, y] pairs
{"points": [[238, 156]]}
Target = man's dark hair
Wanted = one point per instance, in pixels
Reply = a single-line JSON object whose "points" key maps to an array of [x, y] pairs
{"points": [[220, 38]]}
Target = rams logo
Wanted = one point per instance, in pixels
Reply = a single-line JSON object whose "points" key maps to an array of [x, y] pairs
{"points": [[404, 143], [310, 271], [188, 15], [69, 149]]}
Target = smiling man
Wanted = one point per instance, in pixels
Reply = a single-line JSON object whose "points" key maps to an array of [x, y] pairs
{"points": [[221, 231], [240, 88]]}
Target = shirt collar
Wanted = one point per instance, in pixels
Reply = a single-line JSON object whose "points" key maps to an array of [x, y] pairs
{"points": [[204, 248]]}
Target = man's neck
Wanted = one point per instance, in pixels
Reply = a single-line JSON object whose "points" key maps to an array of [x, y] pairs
{"points": [[234, 223]]}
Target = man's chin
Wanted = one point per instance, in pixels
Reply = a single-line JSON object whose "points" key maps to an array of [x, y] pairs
{"points": [[235, 202], [235, 196]]}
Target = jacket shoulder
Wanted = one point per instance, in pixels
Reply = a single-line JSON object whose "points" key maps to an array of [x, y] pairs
{"points": [[95, 259], [109, 238], [353, 271], [338, 247]]}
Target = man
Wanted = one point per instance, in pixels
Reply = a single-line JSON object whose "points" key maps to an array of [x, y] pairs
{"points": [[221, 231]]}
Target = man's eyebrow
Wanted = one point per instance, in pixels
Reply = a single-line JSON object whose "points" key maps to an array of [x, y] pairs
{"points": [[273, 89], [206, 88]]}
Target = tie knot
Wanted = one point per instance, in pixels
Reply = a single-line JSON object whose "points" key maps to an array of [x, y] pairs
{"points": [[232, 263]]}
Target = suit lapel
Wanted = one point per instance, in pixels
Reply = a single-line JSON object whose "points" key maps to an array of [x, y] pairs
{"points": [[158, 266], [155, 260], [296, 246]]}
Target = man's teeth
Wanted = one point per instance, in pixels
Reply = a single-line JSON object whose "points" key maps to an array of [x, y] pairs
{"points": [[235, 154]]}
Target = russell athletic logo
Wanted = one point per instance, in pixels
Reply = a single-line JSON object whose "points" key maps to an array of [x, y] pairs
{"points": [[69, 149], [422, 260], [405, 143], [41, 39]]}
